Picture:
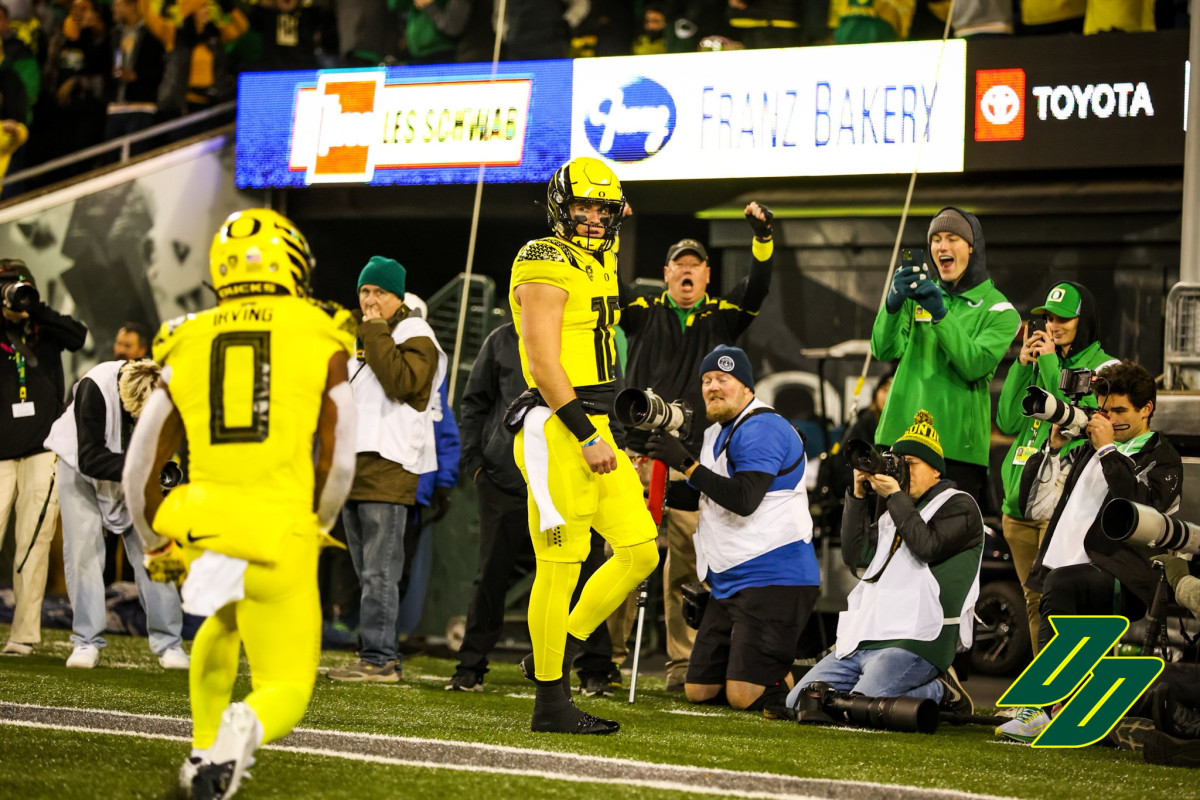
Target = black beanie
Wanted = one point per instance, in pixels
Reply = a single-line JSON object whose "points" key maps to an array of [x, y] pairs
{"points": [[733, 360]]}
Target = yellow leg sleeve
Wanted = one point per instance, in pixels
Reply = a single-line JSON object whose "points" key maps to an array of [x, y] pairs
{"points": [[212, 673], [610, 585], [549, 600]]}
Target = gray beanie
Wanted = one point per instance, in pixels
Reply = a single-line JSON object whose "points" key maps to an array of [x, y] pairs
{"points": [[950, 221]]}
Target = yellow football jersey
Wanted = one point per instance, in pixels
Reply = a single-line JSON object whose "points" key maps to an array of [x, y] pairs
{"points": [[588, 353], [247, 378]]}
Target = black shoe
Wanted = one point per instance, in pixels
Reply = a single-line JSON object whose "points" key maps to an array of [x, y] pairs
{"points": [[553, 713], [1129, 734], [464, 680], [1171, 752], [674, 687], [955, 699], [596, 686], [1173, 719]]}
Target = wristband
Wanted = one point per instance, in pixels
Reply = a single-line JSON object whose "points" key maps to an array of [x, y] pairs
{"points": [[592, 441], [1103, 451], [576, 420]]}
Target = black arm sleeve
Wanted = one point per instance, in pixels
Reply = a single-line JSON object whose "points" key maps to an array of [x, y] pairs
{"points": [[748, 296], [480, 395], [860, 534], [741, 494], [91, 417], [68, 332], [1162, 480], [633, 315], [955, 528]]}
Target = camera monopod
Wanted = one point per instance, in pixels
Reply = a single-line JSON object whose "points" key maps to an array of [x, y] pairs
{"points": [[656, 497]]}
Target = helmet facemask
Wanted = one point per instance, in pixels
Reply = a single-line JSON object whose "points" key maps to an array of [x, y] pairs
{"points": [[587, 181]]}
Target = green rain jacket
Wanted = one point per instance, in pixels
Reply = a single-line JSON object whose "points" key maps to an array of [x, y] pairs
{"points": [[1031, 434], [945, 367]]}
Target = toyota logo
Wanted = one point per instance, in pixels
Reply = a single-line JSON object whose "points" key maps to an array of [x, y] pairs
{"points": [[1000, 105]]}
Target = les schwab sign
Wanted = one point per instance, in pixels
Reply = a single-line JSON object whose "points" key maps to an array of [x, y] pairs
{"points": [[401, 125], [857, 109]]}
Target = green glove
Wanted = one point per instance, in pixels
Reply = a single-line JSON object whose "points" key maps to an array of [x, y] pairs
{"points": [[1175, 567]]}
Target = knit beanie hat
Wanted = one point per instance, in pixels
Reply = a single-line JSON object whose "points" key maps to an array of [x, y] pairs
{"points": [[921, 440], [733, 360], [385, 273], [950, 221]]}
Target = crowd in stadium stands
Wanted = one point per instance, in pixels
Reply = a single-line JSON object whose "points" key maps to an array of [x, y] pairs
{"points": [[74, 73]]}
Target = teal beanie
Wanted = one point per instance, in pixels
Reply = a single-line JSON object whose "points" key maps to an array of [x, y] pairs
{"points": [[385, 273]]}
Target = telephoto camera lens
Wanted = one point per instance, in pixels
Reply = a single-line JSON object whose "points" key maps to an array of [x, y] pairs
{"points": [[903, 714], [647, 411], [18, 296], [1070, 418], [1127, 521]]}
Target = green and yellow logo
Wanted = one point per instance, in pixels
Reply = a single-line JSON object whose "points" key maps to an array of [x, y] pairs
{"points": [[1074, 664]]}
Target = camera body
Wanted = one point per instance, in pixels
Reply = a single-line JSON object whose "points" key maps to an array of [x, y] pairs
{"points": [[864, 457], [646, 411], [17, 295], [1070, 417]]}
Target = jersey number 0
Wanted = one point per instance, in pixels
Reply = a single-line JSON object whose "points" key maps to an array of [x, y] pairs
{"points": [[239, 388]]}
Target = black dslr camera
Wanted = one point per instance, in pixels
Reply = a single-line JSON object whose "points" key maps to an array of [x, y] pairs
{"points": [[820, 703], [16, 295], [647, 411], [1070, 417], [863, 457], [170, 476]]}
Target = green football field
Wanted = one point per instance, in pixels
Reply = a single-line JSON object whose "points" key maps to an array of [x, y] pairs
{"points": [[121, 731]]}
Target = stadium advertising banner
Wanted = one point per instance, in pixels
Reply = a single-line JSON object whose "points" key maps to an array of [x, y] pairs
{"points": [[1076, 101], [403, 125], [849, 110]]}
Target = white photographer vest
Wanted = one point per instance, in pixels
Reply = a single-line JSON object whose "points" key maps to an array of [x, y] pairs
{"points": [[725, 539], [64, 441], [397, 431], [905, 602]]}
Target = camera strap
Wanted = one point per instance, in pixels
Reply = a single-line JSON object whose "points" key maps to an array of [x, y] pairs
{"points": [[738, 424], [896, 542]]}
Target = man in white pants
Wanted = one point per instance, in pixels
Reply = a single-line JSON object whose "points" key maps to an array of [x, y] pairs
{"points": [[90, 439]]}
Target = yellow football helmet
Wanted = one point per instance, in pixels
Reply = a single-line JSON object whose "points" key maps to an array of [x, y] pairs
{"points": [[585, 180], [259, 251]]}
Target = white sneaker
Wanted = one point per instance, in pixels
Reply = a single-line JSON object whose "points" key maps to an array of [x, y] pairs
{"points": [[230, 755], [84, 656], [174, 658], [1025, 726], [12, 648]]}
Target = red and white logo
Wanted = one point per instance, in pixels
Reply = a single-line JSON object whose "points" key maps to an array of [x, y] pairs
{"points": [[999, 105], [345, 128]]}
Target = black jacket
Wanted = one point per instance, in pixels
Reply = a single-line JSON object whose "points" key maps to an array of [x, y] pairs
{"points": [[1151, 477], [494, 382], [91, 420], [666, 358], [956, 528], [46, 334]]}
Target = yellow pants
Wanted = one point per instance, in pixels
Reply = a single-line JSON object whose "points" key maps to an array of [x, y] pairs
{"points": [[552, 462], [279, 623]]}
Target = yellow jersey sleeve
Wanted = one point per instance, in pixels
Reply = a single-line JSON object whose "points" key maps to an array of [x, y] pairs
{"points": [[541, 261], [170, 333]]}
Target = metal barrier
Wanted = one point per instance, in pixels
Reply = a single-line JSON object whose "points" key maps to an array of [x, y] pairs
{"points": [[482, 317], [1181, 346], [123, 143]]}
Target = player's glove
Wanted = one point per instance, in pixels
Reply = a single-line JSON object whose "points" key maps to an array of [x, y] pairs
{"points": [[166, 564], [439, 504], [1175, 567], [902, 282], [669, 450], [929, 295], [761, 227]]}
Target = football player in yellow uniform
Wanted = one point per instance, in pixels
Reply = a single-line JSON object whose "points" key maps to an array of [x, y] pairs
{"points": [[563, 297], [252, 384]]}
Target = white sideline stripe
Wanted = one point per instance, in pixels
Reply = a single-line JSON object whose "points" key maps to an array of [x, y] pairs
{"points": [[678, 768]]}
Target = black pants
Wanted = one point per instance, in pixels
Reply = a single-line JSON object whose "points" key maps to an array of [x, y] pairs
{"points": [[1084, 589], [504, 544]]}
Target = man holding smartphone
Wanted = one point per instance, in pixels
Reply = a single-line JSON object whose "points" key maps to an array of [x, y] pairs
{"points": [[1063, 334]]}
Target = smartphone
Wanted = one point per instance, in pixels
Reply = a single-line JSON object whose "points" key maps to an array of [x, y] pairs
{"points": [[912, 257], [1034, 325]]}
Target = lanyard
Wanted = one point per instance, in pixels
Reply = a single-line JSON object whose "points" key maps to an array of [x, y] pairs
{"points": [[21, 374]]}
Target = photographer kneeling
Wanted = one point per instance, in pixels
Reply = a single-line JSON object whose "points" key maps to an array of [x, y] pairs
{"points": [[908, 616], [753, 541]]}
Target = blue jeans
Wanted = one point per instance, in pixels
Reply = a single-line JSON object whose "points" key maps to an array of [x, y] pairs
{"points": [[83, 563], [375, 538], [890, 672]]}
